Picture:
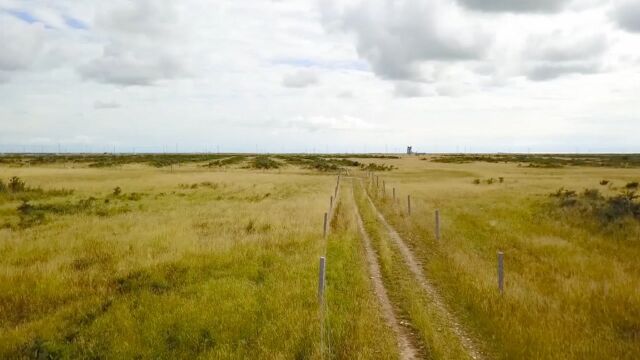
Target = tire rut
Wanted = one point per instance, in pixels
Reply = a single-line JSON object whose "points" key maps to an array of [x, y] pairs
{"points": [[405, 345], [416, 269]]}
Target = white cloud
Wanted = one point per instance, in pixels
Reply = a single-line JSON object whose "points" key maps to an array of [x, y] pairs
{"points": [[300, 79], [517, 6], [20, 43], [627, 14], [397, 37], [100, 105], [556, 54], [145, 43], [134, 66], [345, 72], [408, 89], [329, 123]]}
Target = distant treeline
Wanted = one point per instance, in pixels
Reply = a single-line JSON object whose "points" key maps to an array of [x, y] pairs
{"points": [[330, 162], [547, 160]]}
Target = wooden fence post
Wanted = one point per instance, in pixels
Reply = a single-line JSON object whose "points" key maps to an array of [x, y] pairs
{"points": [[437, 224], [394, 195], [501, 272], [384, 188], [321, 277], [324, 234], [409, 204], [331, 204], [377, 181]]}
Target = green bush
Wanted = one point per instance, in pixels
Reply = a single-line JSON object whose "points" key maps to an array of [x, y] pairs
{"points": [[607, 209], [265, 163], [376, 167]]}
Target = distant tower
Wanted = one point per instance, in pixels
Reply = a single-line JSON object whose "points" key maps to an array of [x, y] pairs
{"points": [[409, 150]]}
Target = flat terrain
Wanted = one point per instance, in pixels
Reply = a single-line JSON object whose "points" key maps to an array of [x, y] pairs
{"points": [[216, 257]]}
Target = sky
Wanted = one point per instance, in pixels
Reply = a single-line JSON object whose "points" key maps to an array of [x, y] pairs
{"points": [[320, 75]]}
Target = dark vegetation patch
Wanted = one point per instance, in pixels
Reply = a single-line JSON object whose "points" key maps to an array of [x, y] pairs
{"points": [[489, 181], [252, 227], [360, 156], [36, 214], [31, 214], [263, 162], [205, 184], [608, 209], [332, 163], [325, 163], [227, 161], [108, 160], [17, 189], [318, 162], [377, 167], [550, 161]]}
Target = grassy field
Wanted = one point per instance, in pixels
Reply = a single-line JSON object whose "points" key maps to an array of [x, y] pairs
{"points": [[216, 257], [572, 280], [189, 263]]}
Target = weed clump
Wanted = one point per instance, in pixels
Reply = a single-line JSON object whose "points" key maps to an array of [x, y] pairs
{"points": [[604, 182], [16, 185], [489, 181]]}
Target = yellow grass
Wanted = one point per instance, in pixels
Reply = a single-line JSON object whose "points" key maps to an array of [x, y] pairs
{"points": [[228, 268], [572, 283], [224, 270]]}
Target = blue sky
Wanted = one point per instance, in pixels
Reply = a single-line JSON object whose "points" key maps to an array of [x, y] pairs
{"points": [[320, 75]]}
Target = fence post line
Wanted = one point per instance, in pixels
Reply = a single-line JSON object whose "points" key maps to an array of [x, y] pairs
{"points": [[321, 277], [409, 204], [501, 272], [324, 233], [437, 224], [331, 204], [394, 194]]}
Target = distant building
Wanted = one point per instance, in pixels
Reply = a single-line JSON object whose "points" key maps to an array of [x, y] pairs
{"points": [[409, 150]]}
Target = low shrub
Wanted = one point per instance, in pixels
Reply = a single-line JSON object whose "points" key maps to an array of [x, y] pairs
{"points": [[264, 163], [376, 167], [227, 162], [606, 209]]}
